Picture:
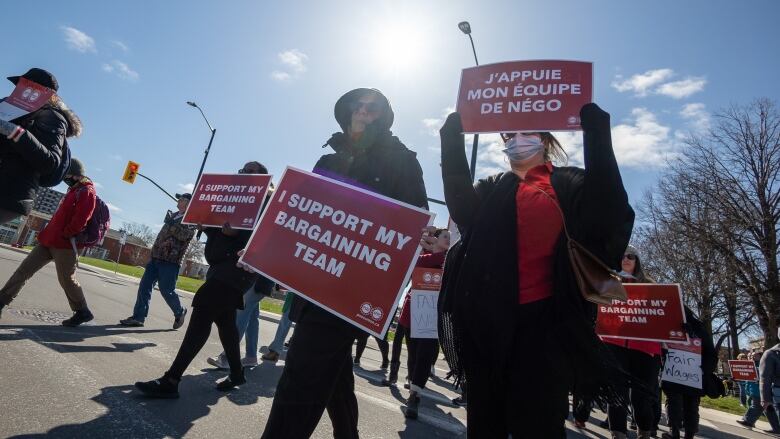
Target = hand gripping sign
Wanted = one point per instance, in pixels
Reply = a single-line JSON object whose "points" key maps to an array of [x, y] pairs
{"points": [[653, 312], [743, 370], [27, 97], [227, 198], [542, 95], [426, 283], [346, 249]]}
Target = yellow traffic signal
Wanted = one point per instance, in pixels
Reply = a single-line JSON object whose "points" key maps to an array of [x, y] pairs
{"points": [[130, 172]]}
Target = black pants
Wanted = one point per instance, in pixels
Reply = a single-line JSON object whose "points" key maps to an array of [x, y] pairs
{"points": [[422, 352], [580, 407], [683, 411], [198, 333], [384, 348], [644, 368], [317, 375], [401, 332], [529, 400]]}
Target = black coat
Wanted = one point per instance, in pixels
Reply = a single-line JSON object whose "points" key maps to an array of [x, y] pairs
{"points": [[480, 285], [38, 152], [221, 253]]}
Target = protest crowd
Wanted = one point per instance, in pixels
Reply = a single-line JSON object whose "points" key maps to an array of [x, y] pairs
{"points": [[542, 263]]}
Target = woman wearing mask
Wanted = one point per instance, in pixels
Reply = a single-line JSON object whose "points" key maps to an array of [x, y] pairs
{"points": [[511, 289]]}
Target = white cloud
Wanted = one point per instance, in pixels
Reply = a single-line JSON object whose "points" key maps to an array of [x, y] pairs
{"points": [[294, 65], [113, 208], [187, 186], [121, 70], [78, 40], [433, 124], [120, 45], [641, 83], [643, 142], [682, 89], [490, 157], [697, 116]]}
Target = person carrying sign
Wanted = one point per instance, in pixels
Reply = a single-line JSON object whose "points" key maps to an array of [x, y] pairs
{"points": [[318, 367], [33, 148], [56, 242], [510, 288]]}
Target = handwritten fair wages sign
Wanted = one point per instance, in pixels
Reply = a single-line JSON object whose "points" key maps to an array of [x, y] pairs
{"points": [[524, 96], [346, 249], [426, 283], [683, 364], [652, 312], [227, 198]]}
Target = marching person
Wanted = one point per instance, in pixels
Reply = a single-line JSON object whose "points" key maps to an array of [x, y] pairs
{"points": [[163, 267], [769, 383], [384, 348], [510, 288], [215, 302], [34, 148], [752, 392], [54, 243], [318, 368]]}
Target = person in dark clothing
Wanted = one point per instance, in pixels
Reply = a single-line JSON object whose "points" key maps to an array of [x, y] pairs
{"points": [[360, 347], [318, 369], [682, 402], [32, 146], [509, 289], [216, 301]]}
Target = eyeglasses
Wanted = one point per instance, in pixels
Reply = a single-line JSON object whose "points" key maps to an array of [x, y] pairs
{"points": [[630, 257], [371, 107]]}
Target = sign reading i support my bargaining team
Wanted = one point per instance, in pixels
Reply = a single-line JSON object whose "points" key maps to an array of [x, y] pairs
{"points": [[27, 97], [227, 198], [653, 312], [541, 95], [344, 248]]}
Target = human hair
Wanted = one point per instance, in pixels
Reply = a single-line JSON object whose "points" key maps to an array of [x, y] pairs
{"points": [[263, 169], [553, 150], [639, 273]]}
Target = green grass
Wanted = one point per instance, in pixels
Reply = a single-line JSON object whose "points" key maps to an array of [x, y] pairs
{"points": [[183, 283], [728, 404], [272, 305]]}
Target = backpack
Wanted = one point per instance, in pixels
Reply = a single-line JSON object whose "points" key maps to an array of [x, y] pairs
{"points": [[55, 177], [97, 226]]}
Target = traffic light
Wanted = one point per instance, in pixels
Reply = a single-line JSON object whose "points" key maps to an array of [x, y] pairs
{"points": [[130, 172]]}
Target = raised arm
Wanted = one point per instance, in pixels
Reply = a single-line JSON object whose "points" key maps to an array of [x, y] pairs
{"points": [[459, 193]]}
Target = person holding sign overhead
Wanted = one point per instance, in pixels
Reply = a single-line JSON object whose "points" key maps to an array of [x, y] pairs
{"points": [[510, 288], [318, 368]]}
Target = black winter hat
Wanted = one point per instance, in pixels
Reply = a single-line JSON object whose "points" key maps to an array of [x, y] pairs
{"points": [[77, 168], [343, 112], [38, 76]]}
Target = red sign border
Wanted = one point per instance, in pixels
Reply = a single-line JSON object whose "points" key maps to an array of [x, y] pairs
{"points": [[404, 284], [682, 308], [257, 217], [592, 96], [731, 371]]}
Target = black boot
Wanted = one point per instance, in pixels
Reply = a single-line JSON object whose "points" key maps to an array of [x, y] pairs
{"points": [[160, 388], [412, 406], [231, 382], [392, 378], [81, 316]]}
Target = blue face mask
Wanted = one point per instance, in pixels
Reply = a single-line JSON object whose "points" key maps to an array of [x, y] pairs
{"points": [[522, 147]]}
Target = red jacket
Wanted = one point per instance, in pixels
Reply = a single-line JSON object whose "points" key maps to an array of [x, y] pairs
{"points": [[71, 216], [428, 260]]}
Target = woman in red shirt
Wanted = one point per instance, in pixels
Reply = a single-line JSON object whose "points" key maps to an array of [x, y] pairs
{"points": [[520, 332]]}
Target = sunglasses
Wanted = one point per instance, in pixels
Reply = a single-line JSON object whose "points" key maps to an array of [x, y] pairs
{"points": [[630, 257], [371, 107]]}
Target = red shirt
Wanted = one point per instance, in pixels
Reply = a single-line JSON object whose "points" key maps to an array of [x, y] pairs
{"points": [[539, 225], [71, 216]]}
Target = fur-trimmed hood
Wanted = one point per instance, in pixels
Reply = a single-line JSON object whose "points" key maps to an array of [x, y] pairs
{"points": [[74, 123]]}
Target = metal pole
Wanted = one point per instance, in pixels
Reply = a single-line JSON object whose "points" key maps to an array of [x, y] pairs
{"points": [[158, 186], [475, 145], [208, 148]]}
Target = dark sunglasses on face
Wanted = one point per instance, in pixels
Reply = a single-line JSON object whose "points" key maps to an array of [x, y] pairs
{"points": [[630, 257], [371, 107]]}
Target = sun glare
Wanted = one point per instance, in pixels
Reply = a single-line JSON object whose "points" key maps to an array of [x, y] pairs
{"points": [[398, 47]]}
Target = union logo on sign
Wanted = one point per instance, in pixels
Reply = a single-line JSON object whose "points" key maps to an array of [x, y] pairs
{"points": [[365, 308], [377, 314], [572, 120], [427, 277], [437, 278]]}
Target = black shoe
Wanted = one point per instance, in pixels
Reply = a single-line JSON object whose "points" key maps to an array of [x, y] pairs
{"points": [[231, 382], [460, 401], [604, 424], [79, 317], [356, 361], [744, 423], [385, 364], [1, 310], [776, 432], [178, 321], [159, 388], [389, 382], [412, 406]]}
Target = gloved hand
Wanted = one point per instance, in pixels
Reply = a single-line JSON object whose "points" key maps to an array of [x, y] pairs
{"points": [[593, 118], [10, 130], [168, 218], [451, 133]]}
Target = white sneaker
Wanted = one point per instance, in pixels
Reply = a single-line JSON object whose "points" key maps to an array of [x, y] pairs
{"points": [[220, 362], [249, 361]]}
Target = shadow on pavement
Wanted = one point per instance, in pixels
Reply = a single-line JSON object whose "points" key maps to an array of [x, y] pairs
{"points": [[55, 337]]}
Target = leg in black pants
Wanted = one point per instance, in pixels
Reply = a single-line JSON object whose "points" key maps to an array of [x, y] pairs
{"points": [[384, 347], [421, 353], [644, 368], [317, 374]]}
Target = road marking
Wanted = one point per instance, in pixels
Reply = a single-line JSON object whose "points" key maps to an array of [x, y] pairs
{"points": [[434, 421]]}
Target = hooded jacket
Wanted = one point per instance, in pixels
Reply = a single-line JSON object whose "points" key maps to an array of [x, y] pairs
{"points": [[38, 152], [71, 216]]}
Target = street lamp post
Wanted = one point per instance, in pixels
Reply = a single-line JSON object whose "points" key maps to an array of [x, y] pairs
{"points": [[465, 27], [208, 148]]}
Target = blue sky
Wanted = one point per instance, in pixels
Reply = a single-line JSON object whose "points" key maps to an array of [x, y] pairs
{"points": [[268, 73]]}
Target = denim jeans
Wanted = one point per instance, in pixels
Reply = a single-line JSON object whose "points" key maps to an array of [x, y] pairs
{"points": [[165, 274], [248, 319], [281, 332]]}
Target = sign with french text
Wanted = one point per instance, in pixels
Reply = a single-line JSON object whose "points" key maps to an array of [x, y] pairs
{"points": [[539, 95], [344, 248], [652, 312], [27, 97], [743, 370], [683, 364], [227, 198], [426, 283]]}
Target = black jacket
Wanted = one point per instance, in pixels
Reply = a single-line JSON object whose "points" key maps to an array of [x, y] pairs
{"points": [[221, 253], [479, 291], [38, 152]]}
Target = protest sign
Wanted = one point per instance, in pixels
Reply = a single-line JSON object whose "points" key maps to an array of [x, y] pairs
{"points": [[426, 283], [227, 198], [27, 97], [743, 370], [344, 248], [683, 364], [652, 312], [541, 95]]}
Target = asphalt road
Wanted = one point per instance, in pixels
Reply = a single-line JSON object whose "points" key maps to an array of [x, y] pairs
{"points": [[77, 382]]}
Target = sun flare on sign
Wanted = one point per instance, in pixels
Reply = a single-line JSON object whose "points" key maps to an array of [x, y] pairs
{"points": [[398, 47]]}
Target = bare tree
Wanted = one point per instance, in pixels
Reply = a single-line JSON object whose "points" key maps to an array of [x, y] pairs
{"points": [[195, 251], [140, 231]]}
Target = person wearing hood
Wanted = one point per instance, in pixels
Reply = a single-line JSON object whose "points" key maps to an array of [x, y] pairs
{"points": [[55, 243], [318, 368], [33, 146]]}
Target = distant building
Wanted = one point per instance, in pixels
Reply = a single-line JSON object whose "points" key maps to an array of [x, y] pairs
{"points": [[47, 200]]}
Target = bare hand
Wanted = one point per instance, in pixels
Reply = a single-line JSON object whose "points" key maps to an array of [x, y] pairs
{"points": [[428, 241], [228, 230], [199, 227], [242, 265]]}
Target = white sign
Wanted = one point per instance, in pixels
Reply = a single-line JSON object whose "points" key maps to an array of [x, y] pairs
{"points": [[424, 315], [683, 365]]}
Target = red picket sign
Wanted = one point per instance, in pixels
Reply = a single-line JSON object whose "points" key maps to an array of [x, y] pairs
{"points": [[541, 95], [743, 370], [233, 198], [428, 279], [344, 248], [27, 97], [653, 312]]}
